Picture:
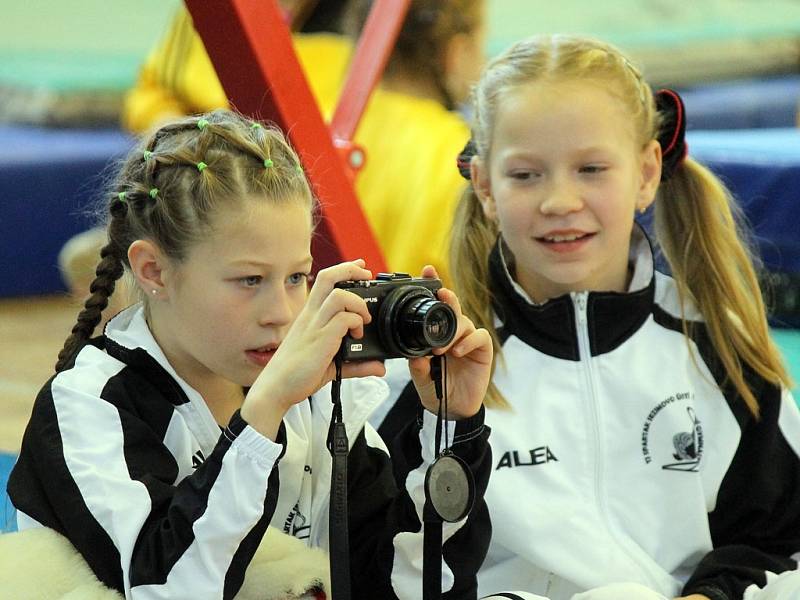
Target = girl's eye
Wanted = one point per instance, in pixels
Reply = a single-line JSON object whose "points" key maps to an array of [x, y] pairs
{"points": [[592, 169], [251, 281], [297, 278], [522, 175]]}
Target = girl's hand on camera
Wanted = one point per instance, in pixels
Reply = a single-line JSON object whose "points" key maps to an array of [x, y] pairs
{"points": [[303, 362], [469, 361]]}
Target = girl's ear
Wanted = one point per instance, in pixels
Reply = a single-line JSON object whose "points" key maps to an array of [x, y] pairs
{"points": [[650, 175], [479, 174], [147, 264]]}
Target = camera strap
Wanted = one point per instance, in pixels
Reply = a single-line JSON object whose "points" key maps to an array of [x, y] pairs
{"points": [[449, 490], [338, 535]]}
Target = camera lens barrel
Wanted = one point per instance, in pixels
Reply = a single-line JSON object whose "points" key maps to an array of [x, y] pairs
{"points": [[413, 322], [427, 322]]}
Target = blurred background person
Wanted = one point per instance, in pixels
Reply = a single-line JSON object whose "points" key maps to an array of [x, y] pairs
{"points": [[177, 78], [411, 130]]}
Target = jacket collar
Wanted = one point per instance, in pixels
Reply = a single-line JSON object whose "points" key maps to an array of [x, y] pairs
{"points": [[552, 327], [128, 338]]}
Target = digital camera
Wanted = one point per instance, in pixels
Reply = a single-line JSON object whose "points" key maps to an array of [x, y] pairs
{"points": [[407, 319]]}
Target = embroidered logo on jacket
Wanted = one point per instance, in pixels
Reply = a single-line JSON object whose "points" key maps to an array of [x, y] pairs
{"points": [[295, 524], [678, 444], [537, 456]]}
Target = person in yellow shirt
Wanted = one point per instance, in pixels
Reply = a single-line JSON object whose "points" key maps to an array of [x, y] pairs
{"points": [[412, 133], [409, 131], [177, 78]]}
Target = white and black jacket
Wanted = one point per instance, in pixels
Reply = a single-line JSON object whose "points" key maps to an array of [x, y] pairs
{"points": [[125, 459], [625, 455]]}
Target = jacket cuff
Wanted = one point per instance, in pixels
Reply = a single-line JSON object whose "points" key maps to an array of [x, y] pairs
{"points": [[262, 449], [465, 436], [468, 429]]}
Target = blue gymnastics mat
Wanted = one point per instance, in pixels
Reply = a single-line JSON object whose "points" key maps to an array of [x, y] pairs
{"points": [[8, 521]]}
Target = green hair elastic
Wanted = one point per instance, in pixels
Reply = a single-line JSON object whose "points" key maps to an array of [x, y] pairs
{"points": [[201, 165], [268, 163], [202, 124], [147, 154], [122, 197], [255, 125], [154, 193]]}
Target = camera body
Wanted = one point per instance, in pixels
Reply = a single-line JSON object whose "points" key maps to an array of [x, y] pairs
{"points": [[407, 319]]}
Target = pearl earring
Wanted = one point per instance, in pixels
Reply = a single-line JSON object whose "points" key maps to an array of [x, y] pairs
{"points": [[154, 292]]}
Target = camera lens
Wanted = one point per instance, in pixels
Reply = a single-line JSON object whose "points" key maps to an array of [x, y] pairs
{"points": [[413, 322], [426, 322]]}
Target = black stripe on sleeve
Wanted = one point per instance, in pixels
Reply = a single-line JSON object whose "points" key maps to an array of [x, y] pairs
{"points": [[234, 578], [168, 531], [42, 487], [380, 508], [406, 410], [377, 511]]}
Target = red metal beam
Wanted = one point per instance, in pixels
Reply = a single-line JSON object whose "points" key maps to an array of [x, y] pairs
{"points": [[250, 47], [372, 53]]}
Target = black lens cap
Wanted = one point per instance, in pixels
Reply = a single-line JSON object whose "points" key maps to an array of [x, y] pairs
{"points": [[450, 487]]}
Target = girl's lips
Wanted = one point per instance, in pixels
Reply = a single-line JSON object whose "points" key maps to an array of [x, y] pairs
{"points": [[260, 357], [565, 246]]}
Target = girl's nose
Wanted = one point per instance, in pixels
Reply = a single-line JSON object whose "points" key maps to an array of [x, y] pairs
{"points": [[277, 310], [562, 198]]}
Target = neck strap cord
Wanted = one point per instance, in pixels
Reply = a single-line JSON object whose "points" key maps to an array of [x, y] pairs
{"points": [[338, 533]]}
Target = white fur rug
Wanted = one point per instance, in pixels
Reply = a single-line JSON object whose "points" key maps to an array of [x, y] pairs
{"points": [[40, 564]]}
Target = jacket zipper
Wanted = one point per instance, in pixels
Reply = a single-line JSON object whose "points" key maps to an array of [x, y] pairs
{"points": [[580, 301]]}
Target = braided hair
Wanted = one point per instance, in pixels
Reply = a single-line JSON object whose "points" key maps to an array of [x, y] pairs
{"points": [[171, 186]]}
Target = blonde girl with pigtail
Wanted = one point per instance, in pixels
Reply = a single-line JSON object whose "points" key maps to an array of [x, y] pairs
{"points": [[165, 450], [645, 444]]}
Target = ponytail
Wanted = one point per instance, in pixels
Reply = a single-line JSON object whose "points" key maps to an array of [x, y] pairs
{"points": [[471, 242], [698, 229]]}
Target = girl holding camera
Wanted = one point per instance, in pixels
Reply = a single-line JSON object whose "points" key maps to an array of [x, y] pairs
{"points": [[163, 449]]}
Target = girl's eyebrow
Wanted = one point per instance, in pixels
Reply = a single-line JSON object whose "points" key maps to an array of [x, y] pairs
{"points": [[260, 263], [525, 153], [593, 149], [306, 262], [518, 153], [249, 263]]}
